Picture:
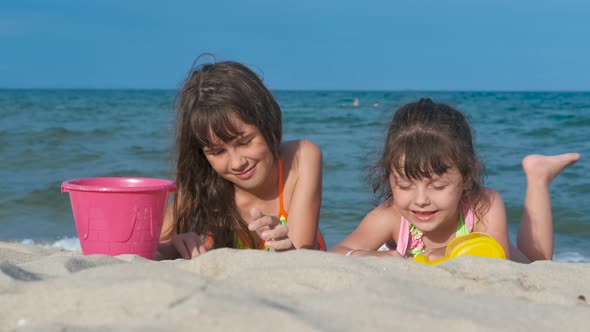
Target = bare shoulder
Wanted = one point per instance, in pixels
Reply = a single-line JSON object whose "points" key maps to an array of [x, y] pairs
{"points": [[385, 214], [301, 153], [377, 227], [493, 196], [381, 209], [301, 148], [495, 221], [495, 214]]}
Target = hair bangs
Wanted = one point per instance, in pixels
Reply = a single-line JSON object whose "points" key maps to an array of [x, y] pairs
{"points": [[211, 127], [421, 156]]}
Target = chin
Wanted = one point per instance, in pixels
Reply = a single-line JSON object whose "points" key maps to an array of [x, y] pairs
{"points": [[249, 184], [427, 227]]}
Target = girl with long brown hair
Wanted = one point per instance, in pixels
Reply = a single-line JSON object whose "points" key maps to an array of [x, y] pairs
{"points": [[238, 184]]}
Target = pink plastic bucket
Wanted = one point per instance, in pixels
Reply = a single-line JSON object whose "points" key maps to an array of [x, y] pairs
{"points": [[119, 215]]}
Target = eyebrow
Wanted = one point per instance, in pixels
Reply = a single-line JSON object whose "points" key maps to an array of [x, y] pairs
{"points": [[401, 178], [210, 148], [239, 135]]}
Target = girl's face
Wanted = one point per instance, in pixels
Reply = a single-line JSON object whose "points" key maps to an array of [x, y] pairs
{"points": [[429, 204], [246, 161]]}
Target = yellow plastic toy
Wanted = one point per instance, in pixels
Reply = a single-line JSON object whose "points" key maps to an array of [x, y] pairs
{"points": [[472, 244]]}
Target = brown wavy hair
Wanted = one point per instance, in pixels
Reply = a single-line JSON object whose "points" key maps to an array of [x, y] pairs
{"points": [[426, 138], [211, 97]]}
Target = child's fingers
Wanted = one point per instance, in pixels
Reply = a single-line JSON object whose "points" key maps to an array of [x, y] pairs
{"points": [[263, 223], [188, 245], [197, 251], [178, 243], [393, 253], [256, 215], [196, 244], [276, 233], [279, 245], [277, 238], [192, 244]]}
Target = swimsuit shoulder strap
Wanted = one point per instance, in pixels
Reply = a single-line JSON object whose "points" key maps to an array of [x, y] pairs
{"points": [[282, 212], [461, 227], [465, 222], [403, 237], [469, 217]]}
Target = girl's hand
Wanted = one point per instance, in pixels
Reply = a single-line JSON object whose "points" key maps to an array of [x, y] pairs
{"points": [[372, 253], [189, 245], [271, 230], [435, 253], [392, 253]]}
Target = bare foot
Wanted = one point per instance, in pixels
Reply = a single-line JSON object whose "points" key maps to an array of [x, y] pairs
{"points": [[546, 168]]}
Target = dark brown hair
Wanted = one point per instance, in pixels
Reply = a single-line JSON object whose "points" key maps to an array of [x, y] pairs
{"points": [[211, 97], [426, 138]]}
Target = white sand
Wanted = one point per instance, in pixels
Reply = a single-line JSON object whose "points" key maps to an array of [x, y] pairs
{"points": [[246, 290]]}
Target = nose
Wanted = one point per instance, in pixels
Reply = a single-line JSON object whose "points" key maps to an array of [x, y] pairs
{"points": [[421, 198], [237, 162]]}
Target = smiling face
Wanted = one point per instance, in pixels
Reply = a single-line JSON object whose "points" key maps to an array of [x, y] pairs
{"points": [[245, 160], [429, 203]]}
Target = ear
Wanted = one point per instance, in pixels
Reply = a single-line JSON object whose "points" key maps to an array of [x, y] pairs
{"points": [[466, 186]]}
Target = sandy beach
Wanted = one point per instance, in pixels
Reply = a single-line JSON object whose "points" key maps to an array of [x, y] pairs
{"points": [[50, 289]]}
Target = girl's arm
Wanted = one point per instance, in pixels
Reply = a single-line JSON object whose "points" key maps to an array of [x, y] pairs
{"points": [[173, 245], [166, 249], [376, 228], [168, 226], [304, 207], [495, 224]]}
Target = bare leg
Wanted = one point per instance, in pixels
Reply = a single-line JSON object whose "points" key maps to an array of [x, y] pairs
{"points": [[535, 235]]}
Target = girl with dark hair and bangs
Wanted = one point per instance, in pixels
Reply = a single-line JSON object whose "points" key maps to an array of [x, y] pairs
{"points": [[238, 184], [431, 184]]}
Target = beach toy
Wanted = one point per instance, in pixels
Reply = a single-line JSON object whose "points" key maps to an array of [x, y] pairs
{"points": [[119, 215], [472, 244]]}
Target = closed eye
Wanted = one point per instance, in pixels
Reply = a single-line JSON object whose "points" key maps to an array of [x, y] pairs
{"points": [[213, 152], [404, 186], [245, 141], [438, 186]]}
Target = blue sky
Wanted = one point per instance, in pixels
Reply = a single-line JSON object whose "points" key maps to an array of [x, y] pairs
{"points": [[303, 45]]}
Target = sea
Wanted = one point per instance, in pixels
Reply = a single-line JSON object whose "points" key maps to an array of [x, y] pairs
{"points": [[50, 136]]}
